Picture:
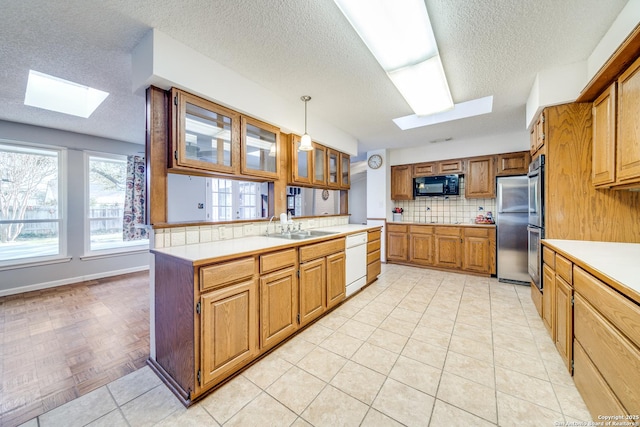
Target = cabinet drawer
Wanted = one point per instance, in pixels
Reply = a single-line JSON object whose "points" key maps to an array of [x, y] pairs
{"points": [[307, 253], [624, 314], [373, 256], [373, 246], [564, 268], [218, 275], [549, 257], [615, 357], [373, 270], [477, 232], [592, 387], [396, 228], [450, 166], [374, 235], [420, 229], [447, 231], [277, 260]]}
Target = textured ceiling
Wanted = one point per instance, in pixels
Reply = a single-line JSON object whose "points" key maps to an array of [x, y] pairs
{"points": [[296, 47]]}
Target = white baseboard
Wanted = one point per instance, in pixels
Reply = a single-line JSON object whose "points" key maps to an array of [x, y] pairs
{"points": [[70, 280]]}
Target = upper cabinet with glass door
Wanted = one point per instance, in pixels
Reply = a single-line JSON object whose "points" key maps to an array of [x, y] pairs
{"points": [[205, 135], [319, 164], [333, 165], [301, 162], [259, 148], [345, 178]]}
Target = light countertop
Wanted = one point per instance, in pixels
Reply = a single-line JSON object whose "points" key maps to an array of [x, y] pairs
{"points": [[204, 253], [618, 264], [439, 224]]}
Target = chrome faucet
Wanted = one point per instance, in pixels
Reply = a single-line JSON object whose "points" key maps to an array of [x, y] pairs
{"points": [[274, 230]]}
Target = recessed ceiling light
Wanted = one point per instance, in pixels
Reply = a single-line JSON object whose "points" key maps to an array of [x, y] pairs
{"points": [[475, 107], [56, 94]]}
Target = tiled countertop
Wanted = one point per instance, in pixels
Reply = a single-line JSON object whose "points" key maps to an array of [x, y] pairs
{"points": [[617, 264], [204, 253]]}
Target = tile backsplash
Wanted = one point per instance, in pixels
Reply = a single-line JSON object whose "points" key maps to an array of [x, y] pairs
{"points": [[445, 209], [180, 236]]}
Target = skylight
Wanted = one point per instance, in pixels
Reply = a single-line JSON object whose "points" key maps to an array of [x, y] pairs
{"points": [[55, 94], [475, 107]]}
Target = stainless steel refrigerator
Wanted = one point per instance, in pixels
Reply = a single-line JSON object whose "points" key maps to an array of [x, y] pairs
{"points": [[511, 222]]}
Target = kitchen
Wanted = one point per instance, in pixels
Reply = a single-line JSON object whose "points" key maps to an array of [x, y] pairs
{"points": [[389, 158]]}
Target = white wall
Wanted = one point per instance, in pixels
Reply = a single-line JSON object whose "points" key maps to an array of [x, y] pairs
{"points": [[358, 199], [494, 144], [38, 277]]}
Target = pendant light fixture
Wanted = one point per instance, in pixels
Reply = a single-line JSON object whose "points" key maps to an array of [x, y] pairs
{"points": [[305, 141]]}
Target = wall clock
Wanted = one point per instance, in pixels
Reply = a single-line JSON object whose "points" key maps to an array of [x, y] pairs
{"points": [[375, 161], [325, 194]]}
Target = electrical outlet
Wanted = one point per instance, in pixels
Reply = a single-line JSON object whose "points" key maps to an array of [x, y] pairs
{"points": [[200, 205]]}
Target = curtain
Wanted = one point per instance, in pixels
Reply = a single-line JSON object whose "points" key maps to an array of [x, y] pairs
{"points": [[134, 202]]}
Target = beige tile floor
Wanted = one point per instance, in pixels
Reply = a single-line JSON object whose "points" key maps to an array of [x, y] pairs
{"points": [[416, 348]]}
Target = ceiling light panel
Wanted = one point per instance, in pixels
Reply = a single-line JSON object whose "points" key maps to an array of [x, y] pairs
{"points": [[400, 36], [63, 96]]}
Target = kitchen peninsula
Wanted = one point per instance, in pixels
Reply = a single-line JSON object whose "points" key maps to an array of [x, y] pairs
{"points": [[221, 305]]}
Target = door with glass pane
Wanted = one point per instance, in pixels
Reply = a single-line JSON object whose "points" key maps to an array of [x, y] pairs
{"points": [[301, 164], [205, 135], [259, 148], [333, 166], [345, 179], [319, 164]]}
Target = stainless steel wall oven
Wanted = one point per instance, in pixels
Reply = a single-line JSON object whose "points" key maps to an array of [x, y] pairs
{"points": [[536, 219]]}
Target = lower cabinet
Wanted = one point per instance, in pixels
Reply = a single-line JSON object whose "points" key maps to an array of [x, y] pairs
{"points": [[374, 262], [548, 300], [564, 321], [228, 326], [278, 306], [322, 278], [467, 248]]}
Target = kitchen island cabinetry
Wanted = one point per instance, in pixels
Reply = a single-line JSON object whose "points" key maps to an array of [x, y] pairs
{"points": [[322, 278], [374, 262], [278, 296], [402, 182], [452, 247], [599, 333], [480, 178]]}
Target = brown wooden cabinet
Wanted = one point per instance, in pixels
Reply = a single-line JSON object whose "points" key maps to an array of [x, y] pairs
{"points": [[628, 136], [301, 162], [402, 182], [345, 175], [204, 136], [374, 262], [449, 167], [448, 247], [480, 178], [604, 138], [478, 247], [228, 330], [333, 168], [548, 299], [319, 165], [421, 245], [259, 148], [322, 278], [424, 169], [564, 321], [397, 243], [513, 163]]}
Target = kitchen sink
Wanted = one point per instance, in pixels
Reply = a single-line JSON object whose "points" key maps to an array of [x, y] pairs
{"points": [[301, 235]]}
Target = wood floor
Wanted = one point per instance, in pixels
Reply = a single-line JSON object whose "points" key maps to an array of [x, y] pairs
{"points": [[61, 343]]}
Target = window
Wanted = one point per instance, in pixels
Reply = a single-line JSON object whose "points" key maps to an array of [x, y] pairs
{"points": [[233, 200], [107, 176], [31, 219]]}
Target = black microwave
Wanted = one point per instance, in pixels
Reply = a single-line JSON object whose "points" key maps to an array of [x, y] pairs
{"points": [[444, 185]]}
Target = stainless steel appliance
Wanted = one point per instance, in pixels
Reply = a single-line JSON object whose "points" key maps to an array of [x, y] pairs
{"points": [[536, 218], [512, 219]]}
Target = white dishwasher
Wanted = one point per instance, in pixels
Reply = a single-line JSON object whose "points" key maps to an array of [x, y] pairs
{"points": [[356, 274]]}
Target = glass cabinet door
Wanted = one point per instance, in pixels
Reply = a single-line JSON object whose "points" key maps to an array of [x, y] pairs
{"points": [[319, 164], [301, 165], [259, 148], [334, 168], [345, 163], [205, 134]]}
